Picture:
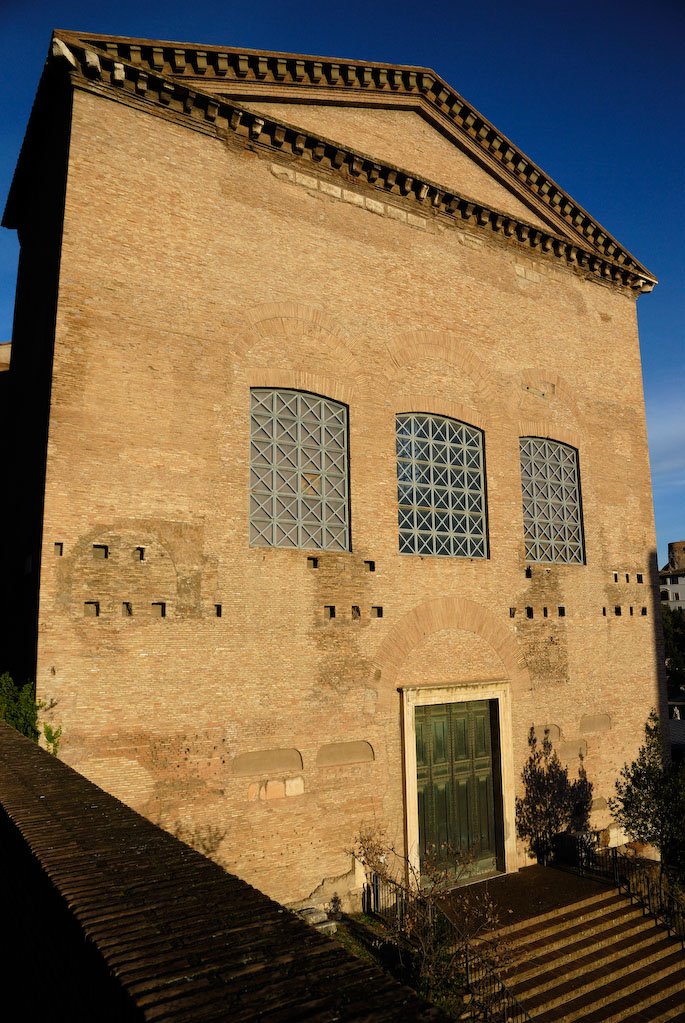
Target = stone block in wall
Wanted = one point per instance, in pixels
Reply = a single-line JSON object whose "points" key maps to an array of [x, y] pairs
{"points": [[594, 723], [267, 761]]}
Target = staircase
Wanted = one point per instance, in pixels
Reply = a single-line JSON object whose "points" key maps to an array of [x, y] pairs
{"points": [[598, 960]]}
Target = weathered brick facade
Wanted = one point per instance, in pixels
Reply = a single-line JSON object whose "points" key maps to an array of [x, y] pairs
{"points": [[199, 260]]}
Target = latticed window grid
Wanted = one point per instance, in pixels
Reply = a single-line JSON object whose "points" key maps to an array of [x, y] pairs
{"points": [[440, 487], [552, 516], [298, 471]]}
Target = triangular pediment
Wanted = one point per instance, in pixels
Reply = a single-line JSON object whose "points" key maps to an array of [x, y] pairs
{"points": [[297, 80], [405, 138], [400, 129]]}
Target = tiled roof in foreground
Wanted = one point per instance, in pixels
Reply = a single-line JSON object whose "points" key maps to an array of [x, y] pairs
{"points": [[159, 931]]}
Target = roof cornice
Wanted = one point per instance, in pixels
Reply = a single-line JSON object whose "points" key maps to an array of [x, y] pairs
{"points": [[210, 113], [217, 69]]}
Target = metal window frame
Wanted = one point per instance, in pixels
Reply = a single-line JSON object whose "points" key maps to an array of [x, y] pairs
{"points": [[299, 470], [552, 504], [441, 487]]}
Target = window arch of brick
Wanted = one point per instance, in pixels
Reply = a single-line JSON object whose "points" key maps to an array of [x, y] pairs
{"points": [[299, 472], [552, 510], [441, 497]]}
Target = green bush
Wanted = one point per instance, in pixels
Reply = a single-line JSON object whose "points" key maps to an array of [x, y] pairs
{"points": [[18, 707], [552, 803], [650, 801]]}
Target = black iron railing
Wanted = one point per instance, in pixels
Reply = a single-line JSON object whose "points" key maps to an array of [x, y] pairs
{"points": [[487, 998], [644, 883]]}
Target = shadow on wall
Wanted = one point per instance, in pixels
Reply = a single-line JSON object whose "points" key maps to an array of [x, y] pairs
{"points": [[552, 803], [661, 696]]}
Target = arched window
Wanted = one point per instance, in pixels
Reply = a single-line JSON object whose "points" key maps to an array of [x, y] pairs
{"points": [[440, 487], [552, 516], [298, 471]]}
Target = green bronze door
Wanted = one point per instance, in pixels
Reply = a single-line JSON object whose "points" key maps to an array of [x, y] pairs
{"points": [[457, 770]]}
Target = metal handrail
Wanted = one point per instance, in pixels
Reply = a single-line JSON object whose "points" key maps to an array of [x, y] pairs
{"points": [[628, 875], [491, 1000]]}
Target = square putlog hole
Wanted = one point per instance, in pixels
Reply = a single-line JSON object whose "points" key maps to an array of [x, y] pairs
{"points": [[329, 611], [159, 609], [370, 566], [127, 609], [100, 551], [59, 550], [218, 610], [91, 609], [376, 612], [312, 562], [139, 554], [356, 613]]}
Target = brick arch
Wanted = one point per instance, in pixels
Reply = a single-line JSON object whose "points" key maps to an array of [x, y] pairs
{"points": [[301, 380], [551, 429], [416, 401], [283, 318], [537, 376], [449, 613], [440, 346]]}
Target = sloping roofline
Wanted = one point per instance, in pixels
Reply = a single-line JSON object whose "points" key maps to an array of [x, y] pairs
{"points": [[244, 72], [197, 87]]}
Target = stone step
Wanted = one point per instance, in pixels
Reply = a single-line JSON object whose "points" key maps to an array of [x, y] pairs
{"points": [[327, 927], [601, 895], [666, 1010], [661, 958], [567, 918], [641, 1002], [572, 964], [615, 1001], [313, 916], [566, 935], [598, 960], [635, 929]]}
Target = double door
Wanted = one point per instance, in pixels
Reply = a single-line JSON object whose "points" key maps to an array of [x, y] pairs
{"points": [[458, 780]]}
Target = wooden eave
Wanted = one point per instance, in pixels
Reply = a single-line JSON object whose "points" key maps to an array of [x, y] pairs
{"points": [[136, 83], [253, 74]]}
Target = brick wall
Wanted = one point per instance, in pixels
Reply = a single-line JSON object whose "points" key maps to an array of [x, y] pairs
{"points": [[192, 270]]}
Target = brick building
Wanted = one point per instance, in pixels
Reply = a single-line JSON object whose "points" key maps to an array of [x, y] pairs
{"points": [[337, 456]]}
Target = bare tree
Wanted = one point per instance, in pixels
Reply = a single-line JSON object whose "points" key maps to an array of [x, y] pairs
{"points": [[429, 918]]}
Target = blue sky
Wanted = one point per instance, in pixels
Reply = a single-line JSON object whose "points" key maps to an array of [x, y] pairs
{"points": [[594, 92]]}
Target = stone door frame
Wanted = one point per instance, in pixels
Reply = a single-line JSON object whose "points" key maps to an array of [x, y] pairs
{"points": [[460, 692]]}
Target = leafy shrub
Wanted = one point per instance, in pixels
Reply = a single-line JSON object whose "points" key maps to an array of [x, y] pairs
{"points": [[18, 707], [552, 802]]}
